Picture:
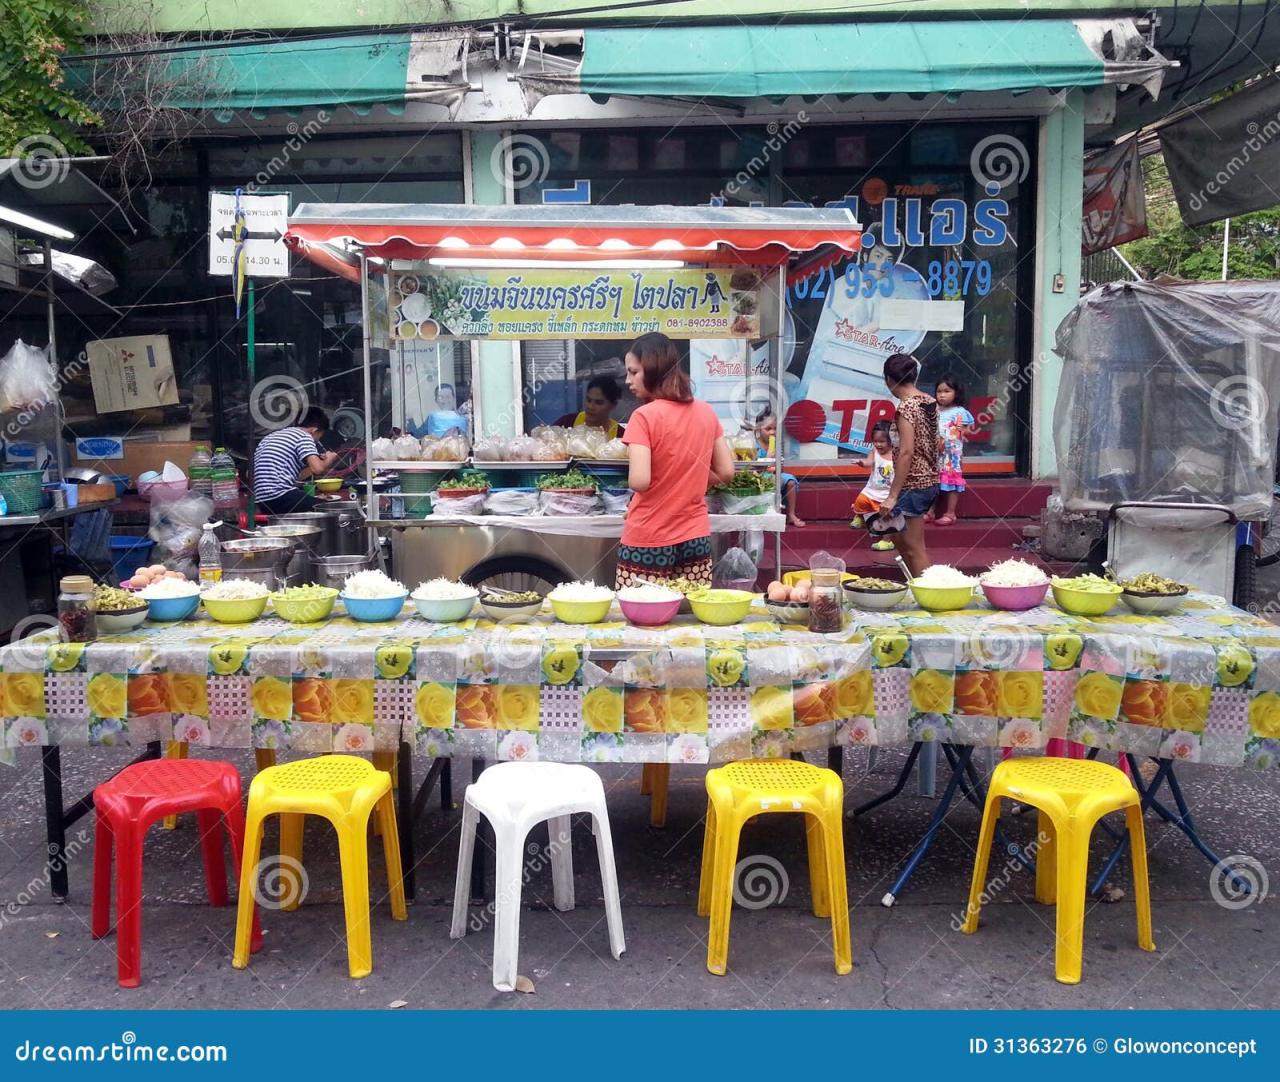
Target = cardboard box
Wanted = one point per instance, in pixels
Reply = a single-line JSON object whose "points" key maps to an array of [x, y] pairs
{"points": [[132, 373], [139, 457], [95, 493]]}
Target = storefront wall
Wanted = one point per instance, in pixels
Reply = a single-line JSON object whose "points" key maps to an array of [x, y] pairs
{"points": [[950, 275]]}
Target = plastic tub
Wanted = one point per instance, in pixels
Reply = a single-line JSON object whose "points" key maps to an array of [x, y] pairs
{"points": [[1084, 602], [122, 481], [21, 490], [875, 600], [650, 613], [511, 612], [1016, 598], [124, 620], [445, 610], [942, 598], [308, 610], [373, 610], [721, 607], [164, 610], [1153, 604], [581, 612], [239, 611], [128, 554]]}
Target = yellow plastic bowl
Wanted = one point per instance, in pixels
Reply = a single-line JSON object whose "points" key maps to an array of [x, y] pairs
{"points": [[721, 607], [235, 612], [298, 610], [1085, 602], [328, 484], [942, 598], [580, 612]]}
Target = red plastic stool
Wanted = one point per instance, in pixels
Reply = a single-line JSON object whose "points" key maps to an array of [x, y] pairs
{"points": [[128, 804]]}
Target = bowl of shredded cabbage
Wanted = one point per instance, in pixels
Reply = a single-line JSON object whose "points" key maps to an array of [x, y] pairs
{"points": [[372, 597], [943, 588], [443, 601], [580, 602], [235, 601], [1014, 585]]}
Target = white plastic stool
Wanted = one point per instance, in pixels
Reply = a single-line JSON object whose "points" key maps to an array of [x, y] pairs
{"points": [[514, 797]]}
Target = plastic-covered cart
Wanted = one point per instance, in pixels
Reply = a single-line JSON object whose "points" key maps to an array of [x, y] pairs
{"points": [[1166, 423]]}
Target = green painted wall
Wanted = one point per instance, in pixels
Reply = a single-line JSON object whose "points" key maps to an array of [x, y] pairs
{"points": [[172, 16], [496, 379], [1059, 214]]}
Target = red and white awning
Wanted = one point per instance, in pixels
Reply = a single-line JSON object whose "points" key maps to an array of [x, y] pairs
{"points": [[755, 236]]}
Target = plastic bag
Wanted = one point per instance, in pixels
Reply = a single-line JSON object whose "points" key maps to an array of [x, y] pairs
{"points": [[490, 449], [613, 449], [406, 449], [758, 503], [735, 571], [26, 377], [586, 443], [450, 449], [521, 449], [616, 500], [568, 503], [458, 506], [511, 502], [176, 528], [383, 449], [553, 444]]}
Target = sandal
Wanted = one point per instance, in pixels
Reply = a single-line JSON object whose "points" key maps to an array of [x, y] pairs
{"points": [[946, 520]]}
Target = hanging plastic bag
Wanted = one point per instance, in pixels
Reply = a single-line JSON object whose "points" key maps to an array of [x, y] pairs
{"points": [[26, 377], [176, 528], [735, 571], [568, 503], [489, 449], [615, 500], [511, 501], [406, 449], [383, 449], [458, 506], [754, 503]]}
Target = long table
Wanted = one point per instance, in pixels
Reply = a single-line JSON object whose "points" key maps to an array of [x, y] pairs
{"points": [[1202, 686]]}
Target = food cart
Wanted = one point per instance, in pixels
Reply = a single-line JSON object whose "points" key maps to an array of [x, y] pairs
{"points": [[517, 273], [1166, 424]]}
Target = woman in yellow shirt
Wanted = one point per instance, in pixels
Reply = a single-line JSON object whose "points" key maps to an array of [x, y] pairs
{"points": [[603, 394]]}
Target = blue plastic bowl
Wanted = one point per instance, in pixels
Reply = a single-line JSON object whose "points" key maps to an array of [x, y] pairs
{"points": [[373, 610], [122, 481], [164, 610]]}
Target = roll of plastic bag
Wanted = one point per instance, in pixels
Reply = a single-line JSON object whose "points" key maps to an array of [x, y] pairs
{"points": [[755, 504], [615, 503], [568, 503], [511, 502], [458, 506]]}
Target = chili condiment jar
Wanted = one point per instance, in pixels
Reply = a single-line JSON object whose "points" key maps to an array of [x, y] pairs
{"points": [[77, 620], [826, 604]]}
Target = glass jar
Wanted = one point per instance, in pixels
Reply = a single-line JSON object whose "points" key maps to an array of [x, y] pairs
{"points": [[77, 621], [826, 605]]}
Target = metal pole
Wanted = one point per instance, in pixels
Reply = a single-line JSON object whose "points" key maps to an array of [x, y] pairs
{"points": [[775, 404], [253, 378], [59, 445], [1226, 245], [371, 500]]}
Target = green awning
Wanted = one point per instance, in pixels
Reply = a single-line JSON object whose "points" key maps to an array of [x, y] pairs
{"points": [[868, 58], [323, 72]]}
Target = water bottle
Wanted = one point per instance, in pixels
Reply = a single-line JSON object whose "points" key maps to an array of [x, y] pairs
{"points": [[200, 472], [210, 551], [226, 491]]}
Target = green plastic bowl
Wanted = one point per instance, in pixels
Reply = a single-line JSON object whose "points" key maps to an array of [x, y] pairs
{"points": [[720, 607], [1085, 602], [580, 612], [942, 598], [235, 612], [305, 610]]}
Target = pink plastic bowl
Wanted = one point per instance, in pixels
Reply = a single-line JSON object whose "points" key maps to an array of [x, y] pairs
{"points": [[649, 613], [162, 490], [1016, 598]]}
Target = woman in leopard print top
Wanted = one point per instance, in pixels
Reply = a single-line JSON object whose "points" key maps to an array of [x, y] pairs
{"points": [[915, 465]]}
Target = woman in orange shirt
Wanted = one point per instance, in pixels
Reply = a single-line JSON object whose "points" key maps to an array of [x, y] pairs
{"points": [[675, 448]]}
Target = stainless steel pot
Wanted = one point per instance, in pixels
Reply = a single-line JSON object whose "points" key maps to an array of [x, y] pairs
{"points": [[306, 540], [270, 576], [333, 570], [352, 537], [249, 557], [327, 542]]}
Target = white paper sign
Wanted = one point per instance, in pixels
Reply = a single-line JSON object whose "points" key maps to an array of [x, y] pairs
{"points": [[266, 217], [915, 315]]}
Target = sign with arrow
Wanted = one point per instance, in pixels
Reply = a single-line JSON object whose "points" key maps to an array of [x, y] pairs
{"points": [[251, 244]]}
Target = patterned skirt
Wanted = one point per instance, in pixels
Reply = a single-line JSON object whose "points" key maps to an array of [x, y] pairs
{"points": [[661, 563]]}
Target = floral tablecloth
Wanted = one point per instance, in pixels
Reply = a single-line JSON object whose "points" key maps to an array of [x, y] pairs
{"points": [[1202, 686]]}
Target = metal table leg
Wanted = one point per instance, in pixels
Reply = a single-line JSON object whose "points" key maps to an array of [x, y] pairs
{"points": [[404, 818], [57, 818], [898, 786], [835, 758]]}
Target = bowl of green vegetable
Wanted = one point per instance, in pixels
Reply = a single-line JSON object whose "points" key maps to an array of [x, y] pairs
{"points": [[746, 493], [467, 483], [304, 604]]}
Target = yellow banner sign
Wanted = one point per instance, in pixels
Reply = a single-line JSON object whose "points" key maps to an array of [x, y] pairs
{"points": [[434, 302]]}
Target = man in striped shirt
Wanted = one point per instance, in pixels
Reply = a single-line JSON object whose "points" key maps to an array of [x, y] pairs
{"points": [[287, 456]]}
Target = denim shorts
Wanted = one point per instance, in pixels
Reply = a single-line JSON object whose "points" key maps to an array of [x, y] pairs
{"points": [[914, 502]]}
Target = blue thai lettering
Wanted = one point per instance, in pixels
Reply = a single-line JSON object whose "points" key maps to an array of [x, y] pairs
{"points": [[949, 222], [914, 230], [989, 226]]}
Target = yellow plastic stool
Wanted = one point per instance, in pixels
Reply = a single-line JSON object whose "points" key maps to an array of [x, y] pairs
{"points": [[741, 791], [173, 749], [1071, 795], [344, 790], [655, 778]]}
